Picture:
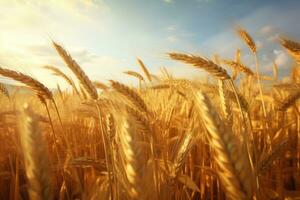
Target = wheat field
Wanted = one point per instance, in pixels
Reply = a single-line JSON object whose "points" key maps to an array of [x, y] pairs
{"points": [[233, 137]]}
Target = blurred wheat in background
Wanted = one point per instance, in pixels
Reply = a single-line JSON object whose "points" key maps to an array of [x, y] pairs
{"points": [[228, 138]]}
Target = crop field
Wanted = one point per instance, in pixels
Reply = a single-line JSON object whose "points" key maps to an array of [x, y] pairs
{"points": [[232, 136]]}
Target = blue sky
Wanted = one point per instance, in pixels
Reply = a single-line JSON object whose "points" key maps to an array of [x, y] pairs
{"points": [[106, 37]]}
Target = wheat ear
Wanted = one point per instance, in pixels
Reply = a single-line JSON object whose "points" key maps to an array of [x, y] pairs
{"points": [[184, 146], [288, 102], [247, 39], [76, 69], [134, 74], [100, 85], [223, 99], [145, 70], [292, 47], [35, 155], [275, 153], [59, 73], [234, 166], [200, 62], [133, 96], [132, 155], [35, 85], [239, 66], [4, 90]]}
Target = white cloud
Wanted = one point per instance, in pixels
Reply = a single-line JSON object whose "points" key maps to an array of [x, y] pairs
{"points": [[204, 1], [172, 38], [273, 38], [281, 58], [168, 1], [266, 30], [27, 27], [171, 28]]}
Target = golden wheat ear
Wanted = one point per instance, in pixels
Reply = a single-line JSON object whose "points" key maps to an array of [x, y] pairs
{"points": [[199, 62], [244, 35], [292, 47], [59, 73], [39, 88], [4, 90], [76, 69], [145, 70], [133, 156], [35, 156], [131, 95], [234, 169]]}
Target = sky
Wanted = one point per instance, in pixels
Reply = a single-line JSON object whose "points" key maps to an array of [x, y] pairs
{"points": [[106, 36]]}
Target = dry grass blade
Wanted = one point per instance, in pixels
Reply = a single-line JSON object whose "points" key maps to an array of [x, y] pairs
{"points": [[131, 95], [82, 77], [4, 90], [234, 166], [135, 74], [35, 85], [200, 62], [145, 70], [35, 155], [247, 39]]}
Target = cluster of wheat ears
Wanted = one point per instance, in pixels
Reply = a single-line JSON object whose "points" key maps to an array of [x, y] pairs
{"points": [[232, 137]]}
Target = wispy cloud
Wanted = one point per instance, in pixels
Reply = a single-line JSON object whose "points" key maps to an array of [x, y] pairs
{"points": [[168, 1], [281, 58], [172, 38]]}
